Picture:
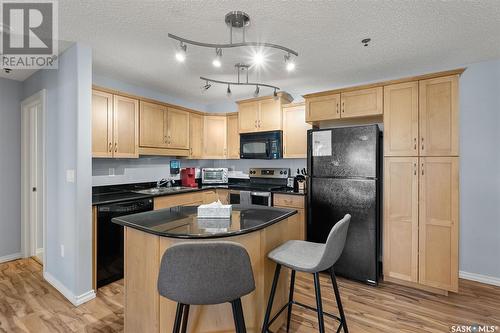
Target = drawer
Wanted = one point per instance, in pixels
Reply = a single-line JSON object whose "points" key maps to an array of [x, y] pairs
{"points": [[284, 200], [185, 199]]}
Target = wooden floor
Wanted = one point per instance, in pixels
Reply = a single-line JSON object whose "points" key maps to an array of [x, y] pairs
{"points": [[29, 304]]}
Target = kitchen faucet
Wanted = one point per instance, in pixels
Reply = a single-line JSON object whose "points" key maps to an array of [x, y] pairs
{"points": [[164, 181]]}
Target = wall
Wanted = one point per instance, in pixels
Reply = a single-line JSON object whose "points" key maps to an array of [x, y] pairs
{"points": [[68, 138], [480, 169], [10, 169]]}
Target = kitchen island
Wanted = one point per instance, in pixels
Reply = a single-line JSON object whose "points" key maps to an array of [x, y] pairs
{"points": [[147, 236]]}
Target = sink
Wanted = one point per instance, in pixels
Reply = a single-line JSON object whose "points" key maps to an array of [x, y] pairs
{"points": [[163, 190]]}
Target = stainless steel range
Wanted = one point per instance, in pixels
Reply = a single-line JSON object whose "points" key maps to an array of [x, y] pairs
{"points": [[258, 191]]}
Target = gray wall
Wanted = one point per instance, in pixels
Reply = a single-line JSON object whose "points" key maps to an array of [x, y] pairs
{"points": [[10, 167], [480, 169], [68, 128]]}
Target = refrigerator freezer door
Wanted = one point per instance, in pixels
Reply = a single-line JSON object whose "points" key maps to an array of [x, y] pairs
{"points": [[330, 199], [354, 153]]}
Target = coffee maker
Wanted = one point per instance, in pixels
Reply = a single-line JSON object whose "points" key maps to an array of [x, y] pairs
{"points": [[188, 177]]}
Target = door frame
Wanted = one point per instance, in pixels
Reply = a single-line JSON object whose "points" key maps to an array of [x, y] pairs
{"points": [[28, 243]]}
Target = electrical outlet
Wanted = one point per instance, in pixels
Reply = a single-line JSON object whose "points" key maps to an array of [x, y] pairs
{"points": [[70, 176], [62, 251]]}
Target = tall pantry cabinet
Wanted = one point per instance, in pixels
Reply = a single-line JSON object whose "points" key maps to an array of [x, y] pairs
{"points": [[421, 183]]}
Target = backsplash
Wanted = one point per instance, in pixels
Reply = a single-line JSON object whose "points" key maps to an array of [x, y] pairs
{"points": [[149, 169]]}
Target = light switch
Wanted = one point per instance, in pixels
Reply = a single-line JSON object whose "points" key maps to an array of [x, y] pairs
{"points": [[70, 176]]}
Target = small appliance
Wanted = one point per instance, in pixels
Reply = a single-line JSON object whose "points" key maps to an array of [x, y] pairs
{"points": [[188, 177], [174, 167], [262, 145], [214, 176]]}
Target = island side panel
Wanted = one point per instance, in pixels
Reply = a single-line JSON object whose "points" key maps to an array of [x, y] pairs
{"points": [[141, 267]]}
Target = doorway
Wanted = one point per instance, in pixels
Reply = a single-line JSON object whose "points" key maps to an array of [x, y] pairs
{"points": [[33, 111]]}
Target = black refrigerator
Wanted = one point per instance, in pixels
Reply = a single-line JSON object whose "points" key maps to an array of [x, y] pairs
{"points": [[345, 178]]}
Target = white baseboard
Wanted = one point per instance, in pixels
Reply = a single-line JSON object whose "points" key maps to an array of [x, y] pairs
{"points": [[480, 278], [76, 300], [11, 257]]}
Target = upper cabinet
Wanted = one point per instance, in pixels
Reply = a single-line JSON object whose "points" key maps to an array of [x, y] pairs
{"points": [[362, 103], [196, 135], [233, 137], [294, 131], [165, 128], [439, 116], [323, 108], [401, 119], [115, 125], [262, 114], [215, 137]]}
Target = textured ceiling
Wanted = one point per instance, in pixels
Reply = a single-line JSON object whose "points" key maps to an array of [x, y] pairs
{"points": [[129, 40]]}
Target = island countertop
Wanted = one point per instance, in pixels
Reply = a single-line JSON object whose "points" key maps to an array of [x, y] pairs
{"points": [[182, 221]]}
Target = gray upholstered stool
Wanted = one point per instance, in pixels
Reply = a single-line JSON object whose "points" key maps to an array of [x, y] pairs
{"points": [[203, 273], [310, 258]]}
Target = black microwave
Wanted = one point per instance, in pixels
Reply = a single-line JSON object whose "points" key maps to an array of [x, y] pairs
{"points": [[262, 145]]}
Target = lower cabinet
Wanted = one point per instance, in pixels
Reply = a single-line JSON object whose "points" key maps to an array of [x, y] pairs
{"points": [[421, 216], [223, 196], [185, 199], [298, 229]]}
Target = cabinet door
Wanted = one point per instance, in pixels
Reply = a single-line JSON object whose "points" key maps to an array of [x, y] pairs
{"points": [[362, 103], [177, 129], [248, 115], [438, 222], [401, 218], [269, 115], [323, 108], [102, 124], [233, 137], [401, 119], [214, 140], [439, 117], [125, 127], [152, 125], [196, 135], [294, 132]]}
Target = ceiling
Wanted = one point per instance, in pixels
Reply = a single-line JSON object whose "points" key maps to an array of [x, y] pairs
{"points": [[130, 43]]}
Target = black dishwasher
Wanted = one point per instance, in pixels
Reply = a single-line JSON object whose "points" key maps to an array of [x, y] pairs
{"points": [[110, 238]]}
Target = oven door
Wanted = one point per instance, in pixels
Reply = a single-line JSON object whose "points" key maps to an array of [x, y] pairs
{"points": [[261, 198], [214, 176]]}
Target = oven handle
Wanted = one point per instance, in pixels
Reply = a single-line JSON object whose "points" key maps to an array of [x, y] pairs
{"points": [[261, 194]]}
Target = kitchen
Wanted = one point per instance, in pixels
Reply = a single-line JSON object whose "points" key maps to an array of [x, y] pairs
{"points": [[290, 151]]}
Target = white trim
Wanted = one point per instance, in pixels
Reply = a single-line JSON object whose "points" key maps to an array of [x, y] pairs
{"points": [[25, 234], [480, 278], [11, 257], [76, 300]]}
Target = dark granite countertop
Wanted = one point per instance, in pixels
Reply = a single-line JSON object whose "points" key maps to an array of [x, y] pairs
{"points": [[182, 221]]}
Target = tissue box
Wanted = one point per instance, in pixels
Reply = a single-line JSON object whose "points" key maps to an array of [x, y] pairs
{"points": [[215, 210]]}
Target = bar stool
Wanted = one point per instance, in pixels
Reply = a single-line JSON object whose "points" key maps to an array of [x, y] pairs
{"points": [[310, 258], [206, 273]]}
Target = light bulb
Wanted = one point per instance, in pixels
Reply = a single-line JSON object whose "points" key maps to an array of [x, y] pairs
{"points": [[290, 66], [258, 58], [217, 61], [180, 55]]}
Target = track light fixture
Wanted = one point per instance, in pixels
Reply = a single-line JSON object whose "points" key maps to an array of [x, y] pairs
{"points": [[180, 55], [206, 86], [289, 63], [228, 90], [218, 56], [257, 91]]}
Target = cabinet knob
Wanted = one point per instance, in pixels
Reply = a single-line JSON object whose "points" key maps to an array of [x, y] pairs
{"points": [[422, 169], [116, 147], [415, 169], [343, 107], [110, 147], [415, 143], [422, 143], [337, 108]]}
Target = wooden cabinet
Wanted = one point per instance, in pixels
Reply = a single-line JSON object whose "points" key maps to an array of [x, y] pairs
{"points": [[439, 116], [152, 125], [115, 121], [102, 124], [177, 130], [223, 195], [233, 137], [184, 199], [294, 131], [196, 123], [401, 218], [323, 108], [362, 103], [214, 142], [439, 219], [401, 119], [262, 114], [297, 228]]}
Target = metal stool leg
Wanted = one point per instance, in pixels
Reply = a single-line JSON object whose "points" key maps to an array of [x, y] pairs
{"points": [[290, 300], [178, 318], [339, 301], [239, 319], [271, 299], [185, 318], [319, 303]]}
